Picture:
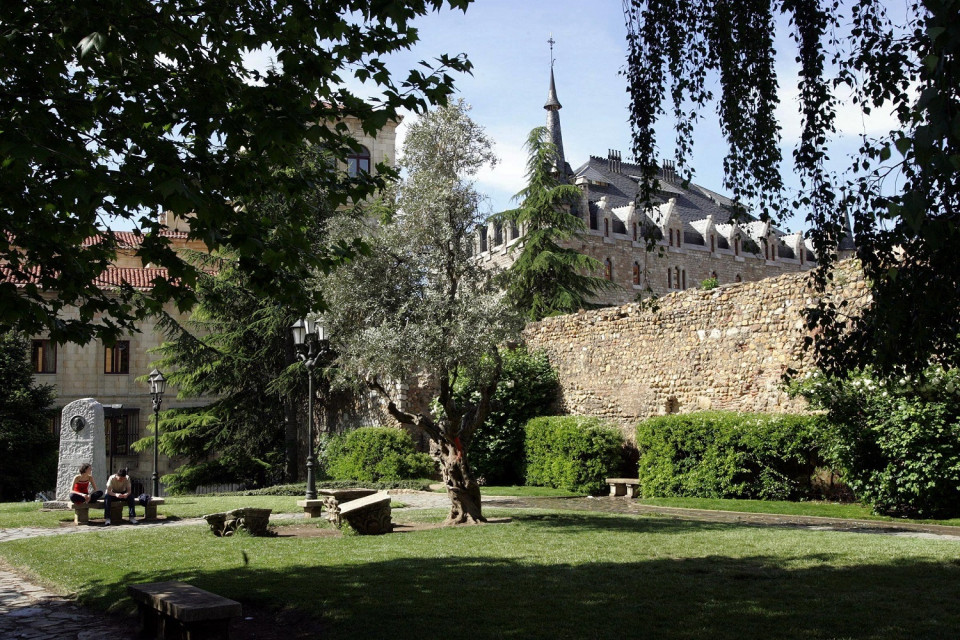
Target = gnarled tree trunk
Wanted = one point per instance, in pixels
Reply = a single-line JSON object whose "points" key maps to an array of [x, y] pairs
{"points": [[462, 487]]}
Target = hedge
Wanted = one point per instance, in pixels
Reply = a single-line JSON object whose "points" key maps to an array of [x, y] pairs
{"points": [[719, 454], [374, 454], [571, 452]]}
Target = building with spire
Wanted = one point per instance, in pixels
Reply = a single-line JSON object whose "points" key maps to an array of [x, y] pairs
{"points": [[694, 229]]}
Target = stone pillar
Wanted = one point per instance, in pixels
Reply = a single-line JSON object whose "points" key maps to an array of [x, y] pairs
{"points": [[82, 439]]}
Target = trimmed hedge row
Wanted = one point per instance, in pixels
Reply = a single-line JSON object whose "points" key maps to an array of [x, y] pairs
{"points": [[374, 454], [571, 452], [715, 454]]}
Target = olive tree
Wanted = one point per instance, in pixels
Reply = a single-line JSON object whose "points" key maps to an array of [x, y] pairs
{"points": [[417, 304]]}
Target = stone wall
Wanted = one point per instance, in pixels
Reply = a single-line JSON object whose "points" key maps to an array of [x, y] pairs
{"points": [[726, 348]]}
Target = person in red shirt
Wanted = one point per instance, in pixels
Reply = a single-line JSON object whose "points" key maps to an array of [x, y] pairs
{"points": [[81, 488]]}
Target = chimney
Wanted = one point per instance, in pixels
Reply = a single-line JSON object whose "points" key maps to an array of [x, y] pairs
{"points": [[614, 161]]}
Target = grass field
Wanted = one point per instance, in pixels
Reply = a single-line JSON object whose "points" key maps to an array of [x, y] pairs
{"points": [[540, 574]]}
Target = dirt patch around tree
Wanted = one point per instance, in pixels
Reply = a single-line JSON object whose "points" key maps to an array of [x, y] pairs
{"points": [[312, 530]]}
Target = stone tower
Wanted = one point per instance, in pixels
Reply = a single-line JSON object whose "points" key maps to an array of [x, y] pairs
{"points": [[553, 107]]}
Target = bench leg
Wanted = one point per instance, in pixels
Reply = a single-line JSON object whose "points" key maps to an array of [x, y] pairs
{"points": [[149, 618], [313, 512], [618, 489], [81, 516], [631, 491], [150, 512]]}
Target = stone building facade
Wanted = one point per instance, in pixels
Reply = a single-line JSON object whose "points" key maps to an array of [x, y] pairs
{"points": [[694, 233], [112, 375], [724, 349]]}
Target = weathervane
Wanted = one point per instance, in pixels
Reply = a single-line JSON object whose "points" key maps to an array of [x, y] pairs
{"points": [[551, 41]]}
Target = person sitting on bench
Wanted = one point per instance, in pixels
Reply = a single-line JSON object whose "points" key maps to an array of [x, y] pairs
{"points": [[118, 488], [80, 491]]}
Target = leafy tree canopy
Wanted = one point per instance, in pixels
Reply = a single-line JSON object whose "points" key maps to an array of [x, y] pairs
{"points": [[903, 189], [419, 304], [128, 108]]}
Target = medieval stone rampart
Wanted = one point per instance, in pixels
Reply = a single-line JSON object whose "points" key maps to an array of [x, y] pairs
{"points": [[726, 348]]}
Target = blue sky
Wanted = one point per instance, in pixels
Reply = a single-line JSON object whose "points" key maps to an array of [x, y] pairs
{"points": [[507, 42]]}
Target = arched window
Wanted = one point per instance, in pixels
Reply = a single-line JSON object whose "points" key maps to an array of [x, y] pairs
{"points": [[676, 277], [593, 219], [606, 227], [679, 238], [483, 239], [634, 231], [636, 273], [608, 269], [738, 278], [671, 237], [514, 233], [713, 274], [497, 234], [358, 162], [736, 246], [669, 278], [683, 276], [713, 246]]}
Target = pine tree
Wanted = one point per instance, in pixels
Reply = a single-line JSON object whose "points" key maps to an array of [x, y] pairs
{"points": [[548, 278], [27, 448]]}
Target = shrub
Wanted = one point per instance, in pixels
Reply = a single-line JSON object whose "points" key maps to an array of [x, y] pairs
{"points": [[709, 283], [717, 454], [571, 452], [897, 441], [527, 388], [372, 454], [300, 489]]}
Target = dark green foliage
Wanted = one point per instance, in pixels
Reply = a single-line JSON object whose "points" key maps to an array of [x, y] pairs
{"points": [[897, 441], [28, 451], [236, 358], [374, 454], [527, 388], [127, 108], [899, 59], [572, 452], [709, 283], [546, 278], [716, 454]]}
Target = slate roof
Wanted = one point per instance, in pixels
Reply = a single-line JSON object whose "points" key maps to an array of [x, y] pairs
{"points": [[691, 204]]}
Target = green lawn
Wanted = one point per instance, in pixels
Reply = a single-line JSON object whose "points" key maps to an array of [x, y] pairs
{"points": [[526, 492], [825, 509], [543, 574]]}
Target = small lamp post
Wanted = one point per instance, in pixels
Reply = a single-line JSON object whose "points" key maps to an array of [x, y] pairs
{"points": [[310, 339], [157, 386]]}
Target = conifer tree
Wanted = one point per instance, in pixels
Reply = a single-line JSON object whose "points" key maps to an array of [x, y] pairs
{"points": [[548, 278], [27, 448]]}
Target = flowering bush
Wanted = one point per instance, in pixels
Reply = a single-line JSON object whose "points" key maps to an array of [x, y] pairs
{"points": [[896, 440]]}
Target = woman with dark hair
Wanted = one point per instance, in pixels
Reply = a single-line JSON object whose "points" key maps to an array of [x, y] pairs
{"points": [[80, 489]]}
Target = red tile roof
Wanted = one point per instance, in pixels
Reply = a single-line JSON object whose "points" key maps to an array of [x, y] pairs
{"points": [[141, 279], [131, 240]]}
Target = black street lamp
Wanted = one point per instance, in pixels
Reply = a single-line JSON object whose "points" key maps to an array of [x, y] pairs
{"points": [[310, 339], [157, 385]]}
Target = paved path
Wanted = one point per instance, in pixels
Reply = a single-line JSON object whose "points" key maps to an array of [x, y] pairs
{"points": [[29, 612]]}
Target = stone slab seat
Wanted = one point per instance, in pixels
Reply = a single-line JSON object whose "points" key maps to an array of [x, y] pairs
{"points": [[369, 515], [182, 611], [624, 486], [331, 499], [81, 511]]}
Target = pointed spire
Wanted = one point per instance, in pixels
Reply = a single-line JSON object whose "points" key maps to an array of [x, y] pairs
{"points": [[553, 107]]}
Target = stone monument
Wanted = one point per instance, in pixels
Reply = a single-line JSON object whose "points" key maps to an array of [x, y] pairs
{"points": [[82, 439]]}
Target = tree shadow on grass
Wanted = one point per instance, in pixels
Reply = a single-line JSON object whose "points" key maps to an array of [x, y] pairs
{"points": [[789, 595]]}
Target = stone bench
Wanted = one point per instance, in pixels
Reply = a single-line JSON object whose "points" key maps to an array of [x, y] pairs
{"points": [[331, 499], [81, 510], [182, 611], [628, 487], [369, 515]]}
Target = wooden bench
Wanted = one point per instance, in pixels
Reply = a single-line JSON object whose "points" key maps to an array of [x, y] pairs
{"points": [[174, 610], [81, 510], [369, 515], [624, 486]]}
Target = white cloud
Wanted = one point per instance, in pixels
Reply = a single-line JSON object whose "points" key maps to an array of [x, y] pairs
{"points": [[850, 118]]}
